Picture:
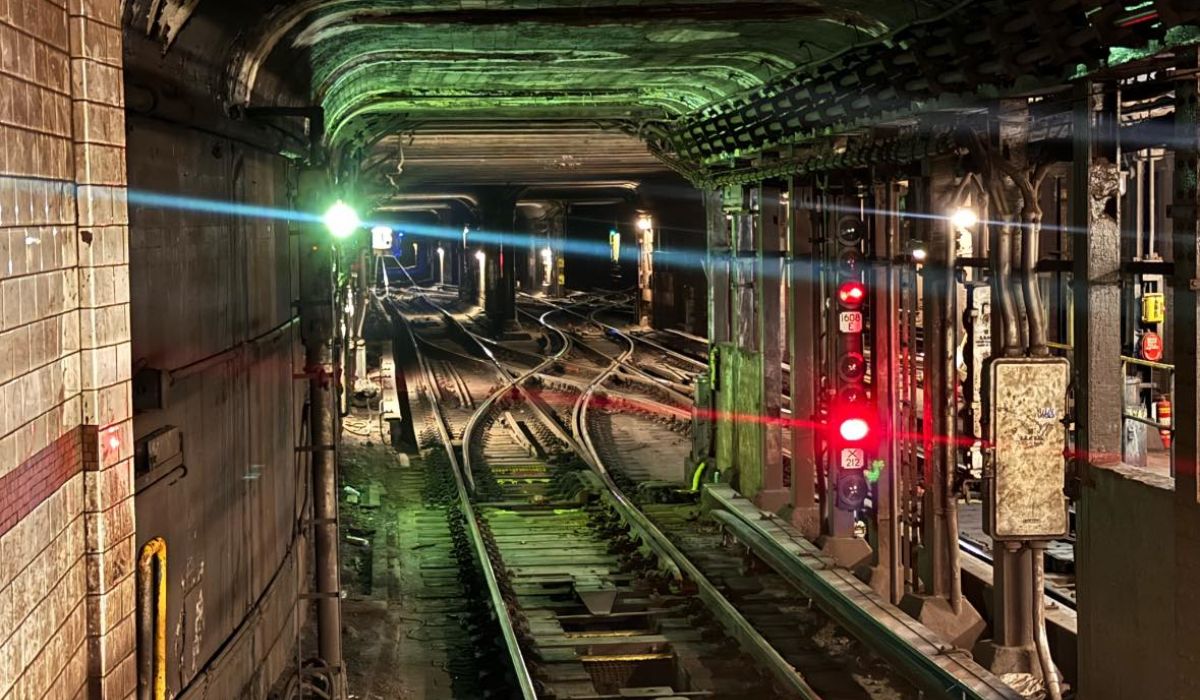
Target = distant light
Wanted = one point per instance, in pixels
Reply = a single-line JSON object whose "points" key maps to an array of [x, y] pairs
{"points": [[547, 253], [965, 217], [854, 429], [342, 220], [441, 250], [480, 256], [645, 223], [381, 237], [918, 254]]}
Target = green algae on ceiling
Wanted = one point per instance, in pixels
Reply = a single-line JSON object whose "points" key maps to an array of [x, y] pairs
{"points": [[560, 59]]}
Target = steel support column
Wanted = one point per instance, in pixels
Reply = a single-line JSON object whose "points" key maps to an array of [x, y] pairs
{"points": [[1096, 259], [718, 268], [1185, 318], [746, 391], [940, 605], [938, 423], [884, 283], [803, 294], [769, 290], [498, 220]]}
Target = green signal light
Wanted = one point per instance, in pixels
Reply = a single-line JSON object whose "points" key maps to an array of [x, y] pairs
{"points": [[341, 220]]}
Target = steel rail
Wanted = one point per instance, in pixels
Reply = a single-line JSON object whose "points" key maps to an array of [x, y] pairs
{"points": [[631, 368], [524, 679], [920, 668], [731, 619]]}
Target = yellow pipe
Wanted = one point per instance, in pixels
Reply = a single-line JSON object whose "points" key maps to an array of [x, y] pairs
{"points": [[152, 550]]}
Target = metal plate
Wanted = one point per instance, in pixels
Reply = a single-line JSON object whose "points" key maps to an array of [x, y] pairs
{"points": [[853, 458], [1028, 404], [850, 322]]}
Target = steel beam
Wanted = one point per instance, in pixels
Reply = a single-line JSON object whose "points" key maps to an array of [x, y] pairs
{"points": [[769, 272], [718, 268], [884, 283], [1096, 257], [938, 423], [803, 294], [1185, 322]]}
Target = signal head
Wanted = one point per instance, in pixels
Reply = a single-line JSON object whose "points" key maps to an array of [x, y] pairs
{"points": [[852, 294], [852, 367]]}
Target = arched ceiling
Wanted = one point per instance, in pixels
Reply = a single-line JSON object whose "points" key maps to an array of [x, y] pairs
{"points": [[531, 59], [384, 68], [469, 85]]}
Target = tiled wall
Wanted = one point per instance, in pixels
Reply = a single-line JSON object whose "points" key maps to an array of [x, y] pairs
{"points": [[66, 516]]}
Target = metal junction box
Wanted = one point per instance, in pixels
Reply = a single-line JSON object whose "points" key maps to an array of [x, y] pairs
{"points": [[1024, 498]]}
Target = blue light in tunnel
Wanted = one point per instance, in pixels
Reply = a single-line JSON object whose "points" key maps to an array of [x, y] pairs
{"points": [[216, 206]]}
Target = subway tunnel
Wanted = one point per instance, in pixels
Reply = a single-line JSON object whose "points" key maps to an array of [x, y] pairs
{"points": [[626, 348]]}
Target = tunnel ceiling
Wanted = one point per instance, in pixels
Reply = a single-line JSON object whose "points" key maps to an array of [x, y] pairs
{"points": [[525, 59], [391, 72], [425, 90]]}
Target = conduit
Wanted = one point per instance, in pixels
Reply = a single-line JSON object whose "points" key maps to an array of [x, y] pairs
{"points": [[152, 621]]}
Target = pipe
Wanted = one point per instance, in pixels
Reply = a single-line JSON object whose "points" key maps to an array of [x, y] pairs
{"points": [[152, 619], [1049, 672], [325, 528], [949, 421], [1008, 306], [1033, 298]]}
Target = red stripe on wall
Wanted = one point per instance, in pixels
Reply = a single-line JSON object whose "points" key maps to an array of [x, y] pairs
{"points": [[37, 478]]}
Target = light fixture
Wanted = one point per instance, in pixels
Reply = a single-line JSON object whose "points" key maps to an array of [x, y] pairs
{"points": [[547, 253], [480, 256], [645, 223], [918, 254], [341, 220], [964, 217]]}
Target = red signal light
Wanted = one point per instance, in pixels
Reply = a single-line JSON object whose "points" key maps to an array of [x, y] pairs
{"points": [[854, 429], [852, 294]]}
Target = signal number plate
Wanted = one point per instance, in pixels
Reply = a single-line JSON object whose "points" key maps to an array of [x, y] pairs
{"points": [[853, 458], [850, 322]]}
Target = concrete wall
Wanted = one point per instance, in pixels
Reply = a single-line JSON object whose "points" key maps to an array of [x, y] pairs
{"points": [[66, 512], [212, 296], [1126, 568]]}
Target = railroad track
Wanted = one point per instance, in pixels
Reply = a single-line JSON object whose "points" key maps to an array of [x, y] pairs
{"points": [[583, 603], [607, 578]]}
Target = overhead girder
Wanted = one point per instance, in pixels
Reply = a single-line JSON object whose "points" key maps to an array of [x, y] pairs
{"points": [[998, 47]]}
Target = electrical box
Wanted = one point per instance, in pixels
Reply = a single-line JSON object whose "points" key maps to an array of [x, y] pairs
{"points": [[159, 451], [1154, 308], [1023, 499]]}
